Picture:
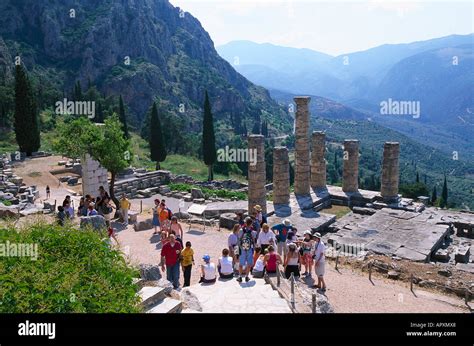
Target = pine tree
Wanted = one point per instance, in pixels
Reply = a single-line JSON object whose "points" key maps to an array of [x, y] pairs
{"points": [[208, 138], [157, 145], [123, 117], [434, 196], [27, 130], [444, 195], [417, 177]]}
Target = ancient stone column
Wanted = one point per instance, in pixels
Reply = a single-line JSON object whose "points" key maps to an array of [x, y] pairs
{"points": [[281, 176], [257, 176], [302, 156], [318, 164], [350, 174], [390, 171]]}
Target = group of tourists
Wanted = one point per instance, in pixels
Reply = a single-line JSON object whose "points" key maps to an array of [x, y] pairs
{"points": [[252, 248], [90, 206], [257, 249]]}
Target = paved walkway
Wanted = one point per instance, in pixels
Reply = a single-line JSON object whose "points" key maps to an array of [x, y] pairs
{"points": [[231, 297]]}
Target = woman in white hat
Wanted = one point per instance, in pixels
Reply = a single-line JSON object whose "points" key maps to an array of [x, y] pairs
{"points": [[319, 261]]}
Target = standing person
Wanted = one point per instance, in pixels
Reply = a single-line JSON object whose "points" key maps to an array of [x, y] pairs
{"points": [[107, 210], [48, 192], [208, 270], [319, 261], [61, 216], [246, 246], [156, 219], [233, 241], [292, 261], [258, 214], [124, 208], [170, 254], [177, 229], [68, 210], [224, 265], [271, 260], [306, 247], [164, 214], [282, 230], [187, 263], [81, 207], [255, 224], [265, 238], [240, 218]]}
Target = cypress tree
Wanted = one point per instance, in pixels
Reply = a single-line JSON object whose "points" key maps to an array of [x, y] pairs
{"points": [[257, 128], [77, 91], [157, 145], [26, 118], [434, 196], [123, 117], [444, 194], [208, 138]]}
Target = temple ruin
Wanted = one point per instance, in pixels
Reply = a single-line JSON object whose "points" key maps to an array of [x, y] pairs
{"points": [[380, 221]]}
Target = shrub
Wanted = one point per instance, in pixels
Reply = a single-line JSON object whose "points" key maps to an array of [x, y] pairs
{"points": [[75, 271]]}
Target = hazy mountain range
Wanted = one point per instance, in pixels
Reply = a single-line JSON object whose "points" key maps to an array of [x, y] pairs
{"points": [[437, 73]]}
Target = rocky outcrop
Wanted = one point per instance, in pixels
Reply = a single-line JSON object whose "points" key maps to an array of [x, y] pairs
{"points": [[138, 49]]}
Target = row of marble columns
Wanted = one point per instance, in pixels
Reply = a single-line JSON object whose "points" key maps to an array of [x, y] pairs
{"points": [[310, 166]]}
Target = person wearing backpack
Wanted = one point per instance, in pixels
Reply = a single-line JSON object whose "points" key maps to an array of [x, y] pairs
{"points": [[247, 237]]}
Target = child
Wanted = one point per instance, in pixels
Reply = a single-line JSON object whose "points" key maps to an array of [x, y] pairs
{"points": [[187, 255], [111, 234], [208, 270], [61, 216]]}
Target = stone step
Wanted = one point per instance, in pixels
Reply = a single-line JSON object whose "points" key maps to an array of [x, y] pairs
{"points": [[151, 295], [166, 306], [191, 311]]}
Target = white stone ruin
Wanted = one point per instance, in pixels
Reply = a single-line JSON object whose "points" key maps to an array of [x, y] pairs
{"points": [[93, 176]]}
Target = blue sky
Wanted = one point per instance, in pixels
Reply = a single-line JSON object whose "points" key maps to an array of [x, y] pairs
{"points": [[333, 27]]}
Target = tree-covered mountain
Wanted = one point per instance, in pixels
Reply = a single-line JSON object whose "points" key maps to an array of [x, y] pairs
{"points": [[144, 50], [437, 73]]}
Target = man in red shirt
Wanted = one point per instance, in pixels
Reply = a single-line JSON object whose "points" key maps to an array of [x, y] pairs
{"points": [[170, 256]]}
